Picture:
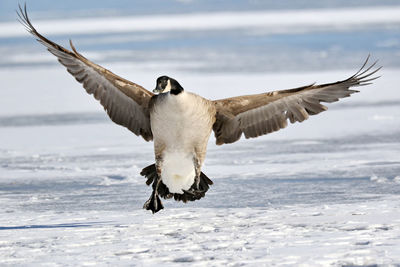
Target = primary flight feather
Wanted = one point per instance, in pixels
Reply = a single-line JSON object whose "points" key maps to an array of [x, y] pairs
{"points": [[180, 123]]}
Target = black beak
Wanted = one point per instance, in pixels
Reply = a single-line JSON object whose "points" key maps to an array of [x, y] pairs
{"points": [[158, 89]]}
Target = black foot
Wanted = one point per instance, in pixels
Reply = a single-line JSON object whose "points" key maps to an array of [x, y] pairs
{"points": [[154, 203], [196, 193]]}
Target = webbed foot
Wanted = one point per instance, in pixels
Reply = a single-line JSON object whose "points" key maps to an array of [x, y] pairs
{"points": [[197, 194], [154, 203]]}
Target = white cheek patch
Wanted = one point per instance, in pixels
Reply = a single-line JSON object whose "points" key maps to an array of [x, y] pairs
{"points": [[168, 87]]}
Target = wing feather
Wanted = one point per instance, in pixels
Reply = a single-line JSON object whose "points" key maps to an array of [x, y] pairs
{"points": [[255, 115], [125, 102]]}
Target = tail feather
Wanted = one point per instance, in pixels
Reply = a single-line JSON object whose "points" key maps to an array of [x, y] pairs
{"points": [[150, 173]]}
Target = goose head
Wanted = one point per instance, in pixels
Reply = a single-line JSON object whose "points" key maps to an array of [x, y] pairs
{"points": [[166, 84]]}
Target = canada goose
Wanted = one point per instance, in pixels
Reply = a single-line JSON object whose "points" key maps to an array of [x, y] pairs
{"points": [[180, 123]]}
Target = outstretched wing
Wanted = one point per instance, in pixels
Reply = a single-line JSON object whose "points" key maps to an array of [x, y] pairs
{"points": [[260, 114], [126, 103]]}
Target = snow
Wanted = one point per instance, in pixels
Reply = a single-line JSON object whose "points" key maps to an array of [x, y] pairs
{"points": [[337, 234], [324, 192]]}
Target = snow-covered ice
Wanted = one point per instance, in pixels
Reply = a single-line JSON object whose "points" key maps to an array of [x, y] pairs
{"points": [[337, 234], [322, 192]]}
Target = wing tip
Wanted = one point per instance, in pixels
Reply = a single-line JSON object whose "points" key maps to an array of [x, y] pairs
{"points": [[363, 75], [23, 17]]}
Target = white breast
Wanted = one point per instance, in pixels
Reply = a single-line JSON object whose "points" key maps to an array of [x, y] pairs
{"points": [[180, 123]]}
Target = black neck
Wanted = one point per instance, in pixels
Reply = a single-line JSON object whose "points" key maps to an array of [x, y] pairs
{"points": [[176, 88]]}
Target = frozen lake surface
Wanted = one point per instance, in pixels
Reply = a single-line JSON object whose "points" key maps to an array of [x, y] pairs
{"points": [[323, 192]]}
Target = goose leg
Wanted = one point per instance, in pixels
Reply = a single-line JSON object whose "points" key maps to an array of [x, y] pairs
{"points": [[197, 171], [195, 189], [154, 202]]}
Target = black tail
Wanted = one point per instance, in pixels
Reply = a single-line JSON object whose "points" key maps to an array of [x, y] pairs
{"points": [[151, 174]]}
